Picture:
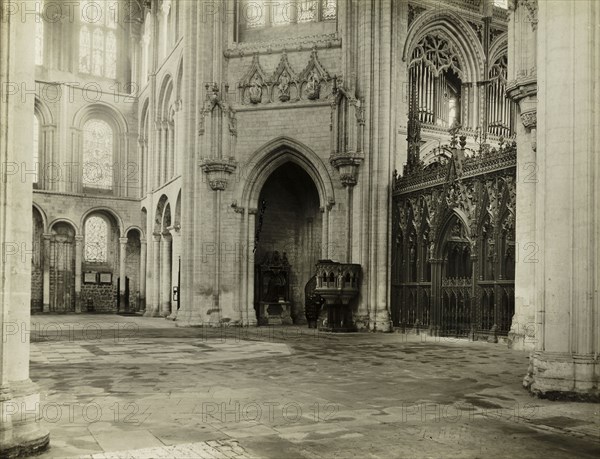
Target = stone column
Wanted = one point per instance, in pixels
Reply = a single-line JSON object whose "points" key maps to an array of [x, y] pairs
{"points": [[122, 275], [143, 254], [249, 317], [163, 28], [325, 232], [78, 261], [154, 310], [46, 267], [565, 360], [176, 251], [20, 434], [165, 275], [522, 89]]}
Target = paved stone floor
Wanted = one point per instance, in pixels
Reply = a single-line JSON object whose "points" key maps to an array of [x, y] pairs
{"points": [[115, 387]]}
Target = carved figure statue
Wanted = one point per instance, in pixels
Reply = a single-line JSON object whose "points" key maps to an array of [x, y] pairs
{"points": [[313, 86], [255, 90], [284, 87]]}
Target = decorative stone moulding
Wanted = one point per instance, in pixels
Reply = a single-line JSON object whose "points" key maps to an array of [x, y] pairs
{"points": [[218, 171], [522, 87], [324, 41], [284, 85], [529, 119], [337, 282], [347, 165]]}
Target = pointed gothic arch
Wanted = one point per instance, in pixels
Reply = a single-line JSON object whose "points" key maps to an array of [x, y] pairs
{"points": [[276, 153]]}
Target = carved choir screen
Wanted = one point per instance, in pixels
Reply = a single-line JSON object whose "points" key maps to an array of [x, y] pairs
{"points": [[454, 245], [436, 70]]}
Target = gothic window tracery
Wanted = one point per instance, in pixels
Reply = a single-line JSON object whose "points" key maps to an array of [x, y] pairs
{"points": [[97, 38], [96, 240], [436, 70], [98, 154]]}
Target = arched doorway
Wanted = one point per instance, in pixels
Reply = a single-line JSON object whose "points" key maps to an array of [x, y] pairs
{"points": [[132, 269], [62, 268], [288, 233], [37, 263], [453, 274]]}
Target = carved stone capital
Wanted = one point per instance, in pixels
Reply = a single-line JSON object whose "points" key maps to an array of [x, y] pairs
{"points": [[218, 171], [531, 11], [174, 230], [529, 119], [347, 165]]}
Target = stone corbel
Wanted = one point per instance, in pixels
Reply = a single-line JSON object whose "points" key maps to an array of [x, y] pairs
{"points": [[218, 171], [347, 165], [529, 120], [237, 209]]}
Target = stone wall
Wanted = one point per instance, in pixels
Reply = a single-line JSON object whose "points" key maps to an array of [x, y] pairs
{"points": [[98, 298]]}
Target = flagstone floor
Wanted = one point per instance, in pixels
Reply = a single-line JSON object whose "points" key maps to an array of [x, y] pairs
{"points": [[138, 387]]}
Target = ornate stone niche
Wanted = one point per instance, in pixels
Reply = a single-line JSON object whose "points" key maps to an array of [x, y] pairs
{"points": [[347, 132], [286, 83], [273, 305], [315, 79], [254, 88], [338, 284]]}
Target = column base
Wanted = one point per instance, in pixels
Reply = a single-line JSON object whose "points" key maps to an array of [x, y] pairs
{"points": [[520, 342], [23, 435], [562, 376], [152, 312], [381, 321], [172, 316]]}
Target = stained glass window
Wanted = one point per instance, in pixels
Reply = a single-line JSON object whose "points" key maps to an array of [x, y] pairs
{"points": [[98, 52], [329, 9], [308, 11], [260, 13], [36, 148], [96, 240], [97, 40], [97, 155]]}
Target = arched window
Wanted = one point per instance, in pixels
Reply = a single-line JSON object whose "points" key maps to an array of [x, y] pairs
{"points": [[97, 39], [96, 240], [98, 155], [36, 150]]}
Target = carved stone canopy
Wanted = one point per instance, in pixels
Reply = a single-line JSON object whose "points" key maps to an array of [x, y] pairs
{"points": [[347, 165], [218, 171]]}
